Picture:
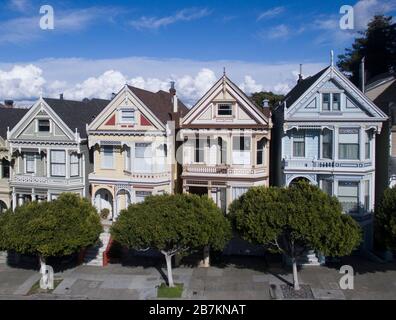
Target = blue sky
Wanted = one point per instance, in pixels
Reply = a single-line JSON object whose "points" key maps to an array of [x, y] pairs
{"points": [[97, 45]]}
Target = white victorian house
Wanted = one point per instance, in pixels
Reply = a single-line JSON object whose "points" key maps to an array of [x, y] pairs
{"points": [[325, 132]]}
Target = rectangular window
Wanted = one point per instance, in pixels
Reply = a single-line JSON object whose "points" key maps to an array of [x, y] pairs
{"points": [[260, 151], [127, 153], [336, 102], [199, 150], [348, 144], [43, 125], [224, 110], [368, 145], [143, 157], [6, 168], [367, 195], [141, 195], [241, 150], [58, 163], [326, 101], [74, 165], [29, 163], [327, 187], [299, 143], [128, 116], [348, 195], [327, 144], [107, 157], [238, 191]]}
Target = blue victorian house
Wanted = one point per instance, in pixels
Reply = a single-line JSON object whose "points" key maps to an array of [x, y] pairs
{"points": [[325, 133]]}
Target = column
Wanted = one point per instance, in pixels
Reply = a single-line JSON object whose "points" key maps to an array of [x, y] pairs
{"points": [[67, 164], [14, 199], [335, 157], [82, 174], [1, 169], [20, 200], [362, 145], [48, 163]]}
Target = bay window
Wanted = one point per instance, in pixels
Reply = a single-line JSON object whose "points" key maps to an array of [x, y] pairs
{"points": [[127, 154], [74, 165], [348, 195], [143, 157], [141, 195], [107, 157], [241, 147], [199, 150], [299, 143], [348, 144], [260, 151], [327, 187], [368, 145], [238, 191], [29, 163], [58, 163]]}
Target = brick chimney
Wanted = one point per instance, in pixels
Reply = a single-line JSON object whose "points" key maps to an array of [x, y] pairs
{"points": [[9, 103]]}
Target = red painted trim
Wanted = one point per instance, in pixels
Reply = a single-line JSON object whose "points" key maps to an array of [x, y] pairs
{"points": [[111, 121], [144, 121], [106, 253]]}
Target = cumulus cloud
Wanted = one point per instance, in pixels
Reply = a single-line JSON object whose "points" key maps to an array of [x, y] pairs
{"points": [[21, 82], [188, 14], [88, 78]]}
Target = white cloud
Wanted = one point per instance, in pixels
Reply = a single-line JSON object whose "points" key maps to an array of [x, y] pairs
{"points": [[81, 78], [277, 32], [19, 5], [21, 82], [158, 22], [27, 28], [273, 12]]}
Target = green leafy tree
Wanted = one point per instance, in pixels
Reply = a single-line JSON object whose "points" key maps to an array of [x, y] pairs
{"points": [[50, 229], [377, 44], [293, 220], [385, 218], [259, 97], [172, 224]]}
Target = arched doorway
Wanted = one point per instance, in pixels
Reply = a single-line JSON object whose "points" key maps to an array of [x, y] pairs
{"points": [[123, 201], [3, 207], [104, 200], [299, 179]]}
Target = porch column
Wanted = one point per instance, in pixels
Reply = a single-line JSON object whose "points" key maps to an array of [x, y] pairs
{"points": [[14, 199], [362, 144], [335, 147], [20, 200], [48, 163], [1, 169]]}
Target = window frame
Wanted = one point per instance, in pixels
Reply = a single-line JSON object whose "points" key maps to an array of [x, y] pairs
{"points": [[220, 105], [358, 186], [25, 158], [38, 125], [103, 161], [74, 164], [52, 163], [331, 101], [130, 110], [303, 140], [331, 134], [340, 143]]}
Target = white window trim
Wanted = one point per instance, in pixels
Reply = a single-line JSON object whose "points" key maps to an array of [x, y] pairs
{"points": [[102, 158], [224, 116], [305, 147], [359, 145], [51, 163], [35, 163], [331, 92], [120, 110], [78, 165], [37, 125], [332, 144]]}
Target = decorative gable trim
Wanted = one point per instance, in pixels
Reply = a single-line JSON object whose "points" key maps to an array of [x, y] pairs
{"points": [[111, 121]]}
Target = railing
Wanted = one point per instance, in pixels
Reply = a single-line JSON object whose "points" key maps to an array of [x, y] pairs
{"points": [[222, 170], [147, 175], [24, 179], [325, 164]]}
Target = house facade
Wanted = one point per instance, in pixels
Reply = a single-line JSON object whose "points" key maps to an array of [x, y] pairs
{"points": [[325, 133], [9, 116], [49, 146], [133, 142], [382, 91], [225, 144]]}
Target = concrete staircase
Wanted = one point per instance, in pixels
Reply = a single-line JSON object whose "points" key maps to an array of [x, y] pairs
{"points": [[3, 257], [310, 259], [94, 254]]}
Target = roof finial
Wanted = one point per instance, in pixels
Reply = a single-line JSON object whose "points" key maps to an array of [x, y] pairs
{"points": [[332, 58], [224, 71]]}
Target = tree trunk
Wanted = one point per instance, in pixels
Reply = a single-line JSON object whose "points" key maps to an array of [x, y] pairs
{"points": [[295, 276], [168, 259]]}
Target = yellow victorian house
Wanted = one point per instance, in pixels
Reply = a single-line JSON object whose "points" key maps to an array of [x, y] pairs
{"points": [[133, 148]]}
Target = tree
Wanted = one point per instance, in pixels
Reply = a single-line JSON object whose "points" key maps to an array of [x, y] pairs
{"points": [[172, 224], [385, 218], [293, 220], [377, 44], [50, 229], [259, 97]]}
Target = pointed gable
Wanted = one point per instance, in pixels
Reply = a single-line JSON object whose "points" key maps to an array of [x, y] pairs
{"points": [[226, 105]]}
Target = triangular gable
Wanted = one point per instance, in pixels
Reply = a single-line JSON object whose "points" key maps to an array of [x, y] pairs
{"points": [[355, 98], [109, 118], [26, 127], [225, 91]]}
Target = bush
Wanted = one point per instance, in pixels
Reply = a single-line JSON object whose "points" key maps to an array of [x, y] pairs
{"points": [[385, 219]]}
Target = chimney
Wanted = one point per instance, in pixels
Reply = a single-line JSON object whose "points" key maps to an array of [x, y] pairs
{"points": [[9, 103], [300, 76], [362, 75], [265, 103], [172, 91], [113, 95], [61, 96]]}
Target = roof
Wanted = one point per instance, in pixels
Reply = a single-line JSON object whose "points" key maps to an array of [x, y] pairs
{"points": [[380, 79], [9, 117], [160, 103], [76, 114], [302, 86]]}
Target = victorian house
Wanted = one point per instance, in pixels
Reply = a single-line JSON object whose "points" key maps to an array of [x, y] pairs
{"points": [[49, 146], [325, 133], [225, 144], [9, 116], [133, 141], [382, 91]]}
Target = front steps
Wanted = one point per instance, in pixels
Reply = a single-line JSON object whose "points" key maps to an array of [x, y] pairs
{"points": [[3, 257], [310, 259], [94, 254]]}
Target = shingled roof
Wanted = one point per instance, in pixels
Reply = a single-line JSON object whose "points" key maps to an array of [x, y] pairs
{"points": [[9, 117], [301, 87], [76, 114], [160, 103]]}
